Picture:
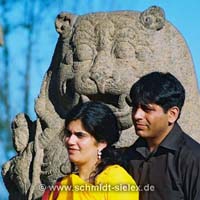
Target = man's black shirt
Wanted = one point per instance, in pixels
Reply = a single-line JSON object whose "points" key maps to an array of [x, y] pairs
{"points": [[171, 172]]}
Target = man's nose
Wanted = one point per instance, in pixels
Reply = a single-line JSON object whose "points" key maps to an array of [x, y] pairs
{"points": [[138, 113]]}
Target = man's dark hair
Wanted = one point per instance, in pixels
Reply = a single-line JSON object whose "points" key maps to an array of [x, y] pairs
{"points": [[159, 88]]}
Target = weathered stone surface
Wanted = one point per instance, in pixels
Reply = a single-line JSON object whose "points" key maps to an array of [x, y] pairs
{"points": [[97, 57], [1, 36]]}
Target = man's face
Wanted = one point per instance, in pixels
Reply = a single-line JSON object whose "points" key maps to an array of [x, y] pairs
{"points": [[150, 121]]}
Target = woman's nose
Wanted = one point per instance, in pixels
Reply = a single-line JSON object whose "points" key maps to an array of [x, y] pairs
{"points": [[70, 140]]}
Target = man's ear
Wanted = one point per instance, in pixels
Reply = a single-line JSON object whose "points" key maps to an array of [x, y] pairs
{"points": [[173, 114]]}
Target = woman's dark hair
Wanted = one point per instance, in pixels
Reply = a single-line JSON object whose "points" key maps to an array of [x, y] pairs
{"points": [[99, 120]]}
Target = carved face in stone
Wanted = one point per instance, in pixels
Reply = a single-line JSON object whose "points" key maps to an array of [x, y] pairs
{"points": [[105, 54], [102, 54]]}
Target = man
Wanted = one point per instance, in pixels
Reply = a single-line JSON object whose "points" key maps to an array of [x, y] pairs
{"points": [[164, 161]]}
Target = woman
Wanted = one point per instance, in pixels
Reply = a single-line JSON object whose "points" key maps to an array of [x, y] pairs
{"points": [[91, 130]]}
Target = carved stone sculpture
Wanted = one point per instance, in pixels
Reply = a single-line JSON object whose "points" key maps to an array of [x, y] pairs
{"points": [[97, 57], [1, 36]]}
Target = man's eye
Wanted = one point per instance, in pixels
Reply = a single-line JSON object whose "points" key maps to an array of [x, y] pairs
{"points": [[134, 108], [147, 109]]}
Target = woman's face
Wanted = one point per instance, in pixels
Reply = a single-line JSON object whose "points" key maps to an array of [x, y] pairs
{"points": [[82, 146]]}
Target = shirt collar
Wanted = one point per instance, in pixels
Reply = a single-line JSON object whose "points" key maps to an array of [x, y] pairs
{"points": [[171, 142], [141, 147], [173, 139]]}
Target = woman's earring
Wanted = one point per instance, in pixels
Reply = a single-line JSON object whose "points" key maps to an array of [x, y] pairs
{"points": [[99, 153]]}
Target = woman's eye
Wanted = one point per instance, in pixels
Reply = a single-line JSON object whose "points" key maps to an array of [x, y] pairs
{"points": [[80, 134], [67, 133]]}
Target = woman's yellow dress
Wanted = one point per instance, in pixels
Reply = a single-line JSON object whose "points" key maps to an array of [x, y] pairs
{"points": [[114, 183]]}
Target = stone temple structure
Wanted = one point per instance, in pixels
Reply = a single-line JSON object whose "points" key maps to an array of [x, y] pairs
{"points": [[98, 56]]}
